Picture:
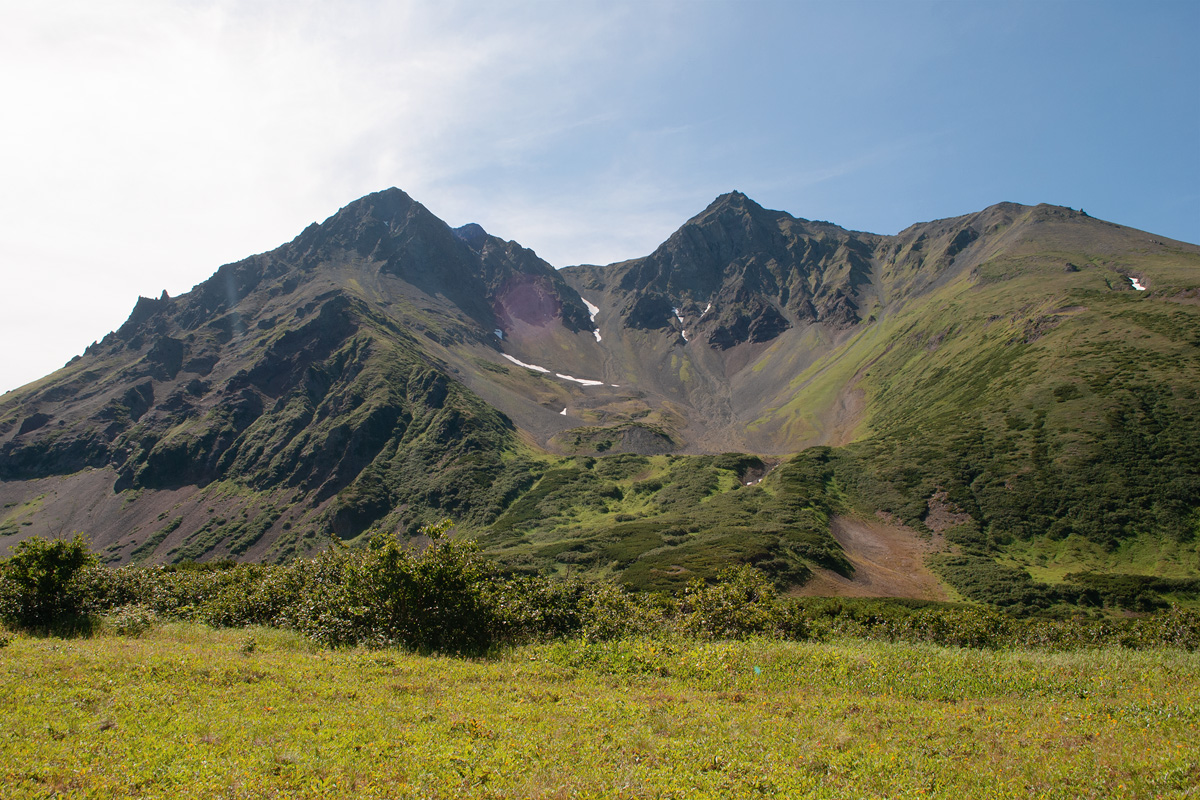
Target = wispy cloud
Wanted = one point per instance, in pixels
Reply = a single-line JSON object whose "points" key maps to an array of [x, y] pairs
{"points": [[152, 142], [145, 142]]}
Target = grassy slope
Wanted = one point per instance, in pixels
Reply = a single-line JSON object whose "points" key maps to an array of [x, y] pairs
{"points": [[657, 522], [191, 712], [1046, 402], [1025, 377]]}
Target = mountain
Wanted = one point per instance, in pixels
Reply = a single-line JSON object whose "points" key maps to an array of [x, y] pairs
{"points": [[1018, 385]]}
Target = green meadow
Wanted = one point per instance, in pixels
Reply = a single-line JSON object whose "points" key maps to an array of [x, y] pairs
{"points": [[186, 710]]}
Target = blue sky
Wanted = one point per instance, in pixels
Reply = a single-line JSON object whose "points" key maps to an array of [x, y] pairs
{"points": [[147, 143]]}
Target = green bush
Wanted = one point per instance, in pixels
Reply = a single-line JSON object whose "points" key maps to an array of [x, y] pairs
{"points": [[448, 598], [131, 620], [1175, 627], [977, 627], [743, 602], [40, 586], [535, 608], [437, 600], [609, 612]]}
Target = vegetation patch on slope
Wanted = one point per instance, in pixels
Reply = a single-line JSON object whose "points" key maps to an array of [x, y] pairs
{"points": [[657, 522]]}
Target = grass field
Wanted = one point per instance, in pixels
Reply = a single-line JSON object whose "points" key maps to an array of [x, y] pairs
{"points": [[188, 711]]}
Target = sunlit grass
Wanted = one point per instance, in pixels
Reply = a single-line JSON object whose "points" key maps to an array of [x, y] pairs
{"points": [[186, 711]]}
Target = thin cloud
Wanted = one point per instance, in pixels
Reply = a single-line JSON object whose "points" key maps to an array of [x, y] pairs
{"points": [[156, 141], [149, 142]]}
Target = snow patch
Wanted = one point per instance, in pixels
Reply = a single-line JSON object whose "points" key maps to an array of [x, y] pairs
{"points": [[533, 367], [563, 412], [1137, 284], [678, 317], [499, 334], [580, 381], [592, 312], [707, 309]]}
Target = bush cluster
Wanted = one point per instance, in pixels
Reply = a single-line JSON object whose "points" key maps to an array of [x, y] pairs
{"points": [[448, 598], [984, 627], [41, 586], [743, 602]]}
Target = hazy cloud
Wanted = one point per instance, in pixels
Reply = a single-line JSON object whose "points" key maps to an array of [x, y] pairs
{"points": [[147, 142]]}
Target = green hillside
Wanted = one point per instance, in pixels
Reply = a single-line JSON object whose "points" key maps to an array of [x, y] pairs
{"points": [[1006, 398]]}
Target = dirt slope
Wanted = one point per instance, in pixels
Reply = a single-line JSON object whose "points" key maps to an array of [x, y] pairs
{"points": [[889, 561]]}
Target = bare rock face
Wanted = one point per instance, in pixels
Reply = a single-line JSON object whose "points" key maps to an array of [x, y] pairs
{"points": [[738, 273], [32, 423]]}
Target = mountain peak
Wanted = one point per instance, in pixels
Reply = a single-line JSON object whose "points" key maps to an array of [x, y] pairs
{"points": [[473, 234], [385, 206], [733, 196], [378, 212], [734, 200]]}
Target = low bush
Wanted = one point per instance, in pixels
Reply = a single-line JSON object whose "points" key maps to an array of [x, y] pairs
{"points": [[40, 586], [448, 598], [534, 608], [743, 602], [962, 626], [434, 601], [131, 620], [1176, 627]]}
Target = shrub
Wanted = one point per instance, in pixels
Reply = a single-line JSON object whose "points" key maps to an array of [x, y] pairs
{"points": [[40, 587], [609, 612], [436, 601], [534, 608], [1175, 627], [131, 620], [743, 602], [439, 600], [895, 620], [978, 627]]}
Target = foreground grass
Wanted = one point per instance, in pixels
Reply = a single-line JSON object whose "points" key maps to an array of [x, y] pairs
{"points": [[187, 711]]}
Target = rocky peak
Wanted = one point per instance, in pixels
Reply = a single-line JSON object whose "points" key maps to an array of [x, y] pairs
{"points": [[388, 206], [369, 222], [694, 259], [473, 234], [735, 201], [473, 269], [759, 271]]}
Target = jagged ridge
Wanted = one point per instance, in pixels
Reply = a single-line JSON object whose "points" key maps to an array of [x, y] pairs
{"points": [[354, 378]]}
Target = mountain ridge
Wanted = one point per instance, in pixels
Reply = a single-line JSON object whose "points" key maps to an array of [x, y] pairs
{"points": [[383, 368]]}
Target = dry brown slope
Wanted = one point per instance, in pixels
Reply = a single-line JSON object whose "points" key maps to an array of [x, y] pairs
{"points": [[888, 559]]}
